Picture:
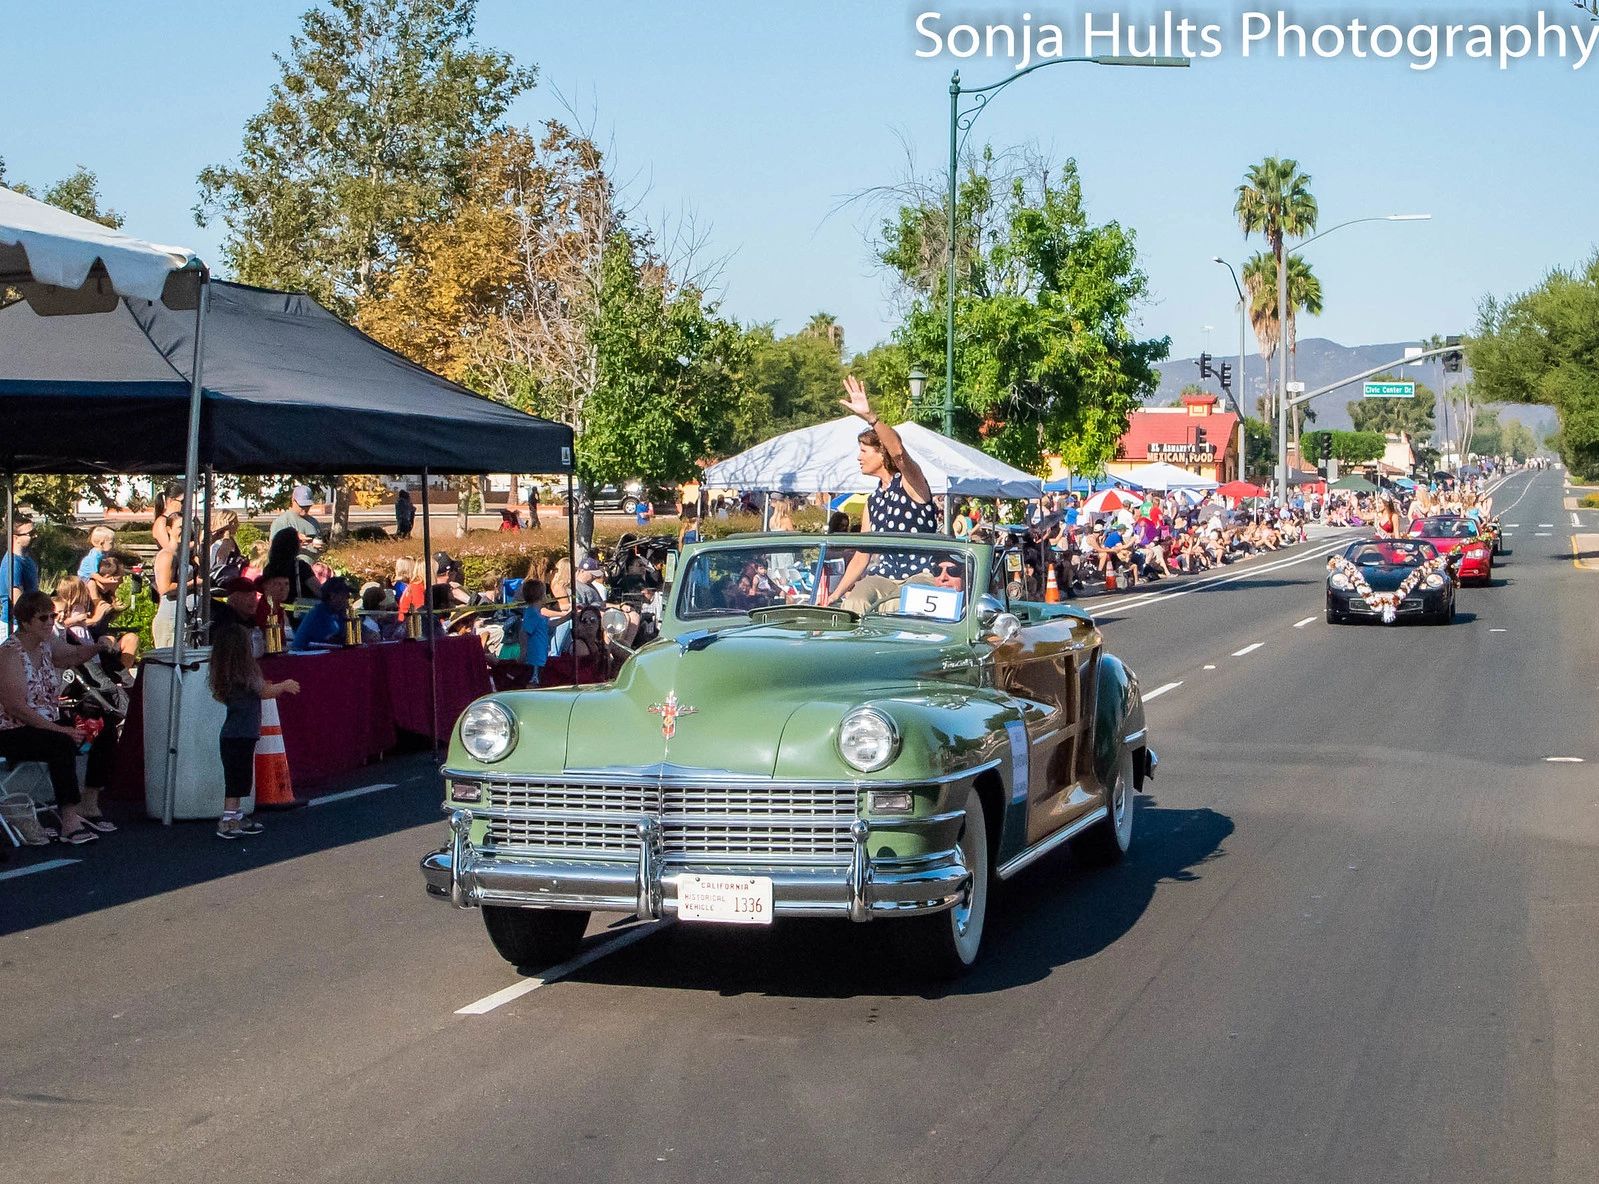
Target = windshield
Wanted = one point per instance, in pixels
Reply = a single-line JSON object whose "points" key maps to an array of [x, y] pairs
{"points": [[1395, 553], [1447, 528], [898, 579]]}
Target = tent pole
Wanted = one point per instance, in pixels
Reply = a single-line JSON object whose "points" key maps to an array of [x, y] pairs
{"points": [[428, 578], [205, 562], [11, 561], [191, 478], [571, 562]]}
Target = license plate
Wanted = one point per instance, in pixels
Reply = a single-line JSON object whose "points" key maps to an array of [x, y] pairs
{"points": [[728, 900]]}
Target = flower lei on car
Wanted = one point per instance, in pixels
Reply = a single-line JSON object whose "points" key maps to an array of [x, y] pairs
{"points": [[1387, 603]]}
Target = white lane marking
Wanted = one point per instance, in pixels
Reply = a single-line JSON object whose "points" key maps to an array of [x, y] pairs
{"points": [[1513, 525], [1248, 649], [1161, 690], [349, 793], [1563, 760], [527, 985], [1575, 521], [1320, 551], [1496, 631], [1210, 666], [1546, 526], [46, 866], [1302, 624], [1540, 534]]}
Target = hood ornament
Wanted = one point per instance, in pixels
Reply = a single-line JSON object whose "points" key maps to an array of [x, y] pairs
{"points": [[670, 711]]}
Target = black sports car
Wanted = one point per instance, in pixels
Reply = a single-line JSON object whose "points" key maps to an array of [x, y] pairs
{"points": [[1391, 580]]}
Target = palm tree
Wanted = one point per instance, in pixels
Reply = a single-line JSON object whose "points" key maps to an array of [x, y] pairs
{"points": [[1304, 295], [825, 325], [1276, 201]]}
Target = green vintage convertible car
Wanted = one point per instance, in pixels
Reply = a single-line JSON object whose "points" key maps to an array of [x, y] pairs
{"points": [[776, 754]]}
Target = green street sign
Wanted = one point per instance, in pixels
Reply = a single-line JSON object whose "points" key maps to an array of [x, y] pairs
{"points": [[1390, 390]]}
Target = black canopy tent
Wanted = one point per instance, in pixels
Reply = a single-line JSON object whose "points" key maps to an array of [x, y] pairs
{"points": [[279, 383], [286, 387]]}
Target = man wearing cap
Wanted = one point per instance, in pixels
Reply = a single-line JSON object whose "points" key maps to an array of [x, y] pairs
{"points": [[239, 607], [298, 516], [583, 589], [324, 624]]}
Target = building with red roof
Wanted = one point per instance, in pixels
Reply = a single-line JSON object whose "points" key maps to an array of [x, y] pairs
{"points": [[1193, 436]]}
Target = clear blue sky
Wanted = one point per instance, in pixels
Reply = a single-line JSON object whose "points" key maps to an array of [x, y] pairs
{"points": [[759, 117]]}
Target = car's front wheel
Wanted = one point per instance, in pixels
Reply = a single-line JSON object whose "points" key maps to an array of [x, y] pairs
{"points": [[947, 944], [534, 937]]}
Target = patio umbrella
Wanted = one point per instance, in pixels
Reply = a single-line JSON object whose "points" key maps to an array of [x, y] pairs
{"points": [[1239, 490], [1353, 484], [1190, 497], [1108, 501], [850, 503]]}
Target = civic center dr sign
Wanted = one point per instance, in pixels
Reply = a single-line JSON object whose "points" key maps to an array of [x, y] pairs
{"points": [[1390, 390]]}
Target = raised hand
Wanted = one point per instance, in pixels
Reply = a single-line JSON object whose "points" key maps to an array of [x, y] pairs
{"points": [[855, 400]]}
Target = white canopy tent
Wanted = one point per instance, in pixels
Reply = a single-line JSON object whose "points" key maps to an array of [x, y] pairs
{"points": [[1164, 478], [823, 459], [66, 265]]}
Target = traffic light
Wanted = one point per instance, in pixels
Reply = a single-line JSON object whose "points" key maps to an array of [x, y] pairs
{"points": [[1199, 439], [1225, 375], [1453, 360], [1326, 446], [1204, 366]]}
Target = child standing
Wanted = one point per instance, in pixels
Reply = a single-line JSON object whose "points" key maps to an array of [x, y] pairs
{"points": [[236, 681]]}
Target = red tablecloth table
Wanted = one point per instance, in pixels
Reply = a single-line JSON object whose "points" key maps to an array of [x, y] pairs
{"points": [[352, 705]]}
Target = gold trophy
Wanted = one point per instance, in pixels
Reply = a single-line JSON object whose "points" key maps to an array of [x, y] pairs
{"points": [[274, 630], [352, 625], [413, 626]]}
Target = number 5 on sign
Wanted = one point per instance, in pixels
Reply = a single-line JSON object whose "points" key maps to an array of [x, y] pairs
{"points": [[925, 600]]}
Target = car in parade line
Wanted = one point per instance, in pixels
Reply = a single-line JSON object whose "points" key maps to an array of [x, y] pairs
{"points": [[1458, 532], [773, 756], [1391, 580]]}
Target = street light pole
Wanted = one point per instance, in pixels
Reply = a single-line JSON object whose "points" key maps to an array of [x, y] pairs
{"points": [[1283, 404], [1243, 313], [961, 121]]}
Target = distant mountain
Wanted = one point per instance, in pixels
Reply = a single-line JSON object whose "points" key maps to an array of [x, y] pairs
{"points": [[1319, 362]]}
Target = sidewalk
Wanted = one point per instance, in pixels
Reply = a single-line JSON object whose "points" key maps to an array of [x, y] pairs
{"points": [[42, 885]]}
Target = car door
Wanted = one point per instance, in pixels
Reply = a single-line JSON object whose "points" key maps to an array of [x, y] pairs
{"points": [[1049, 664]]}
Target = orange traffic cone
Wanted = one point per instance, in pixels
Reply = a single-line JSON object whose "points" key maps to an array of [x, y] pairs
{"points": [[273, 787], [1051, 585]]}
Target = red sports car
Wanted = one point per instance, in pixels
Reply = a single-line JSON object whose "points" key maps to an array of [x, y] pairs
{"points": [[1449, 531]]}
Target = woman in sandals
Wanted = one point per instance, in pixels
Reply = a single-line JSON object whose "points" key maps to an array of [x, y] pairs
{"points": [[236, 681], [30, 728]]}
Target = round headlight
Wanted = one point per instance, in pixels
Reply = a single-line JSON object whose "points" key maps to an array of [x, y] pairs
{"points": [[1340, 581], [488, 730], [868, 739], [1434, 580]]}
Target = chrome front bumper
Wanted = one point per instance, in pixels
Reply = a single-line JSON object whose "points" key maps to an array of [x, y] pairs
{"points": [[647, 887]]}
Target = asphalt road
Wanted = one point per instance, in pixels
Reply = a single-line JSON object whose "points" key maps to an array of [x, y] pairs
{"points": [[1357, 940]]}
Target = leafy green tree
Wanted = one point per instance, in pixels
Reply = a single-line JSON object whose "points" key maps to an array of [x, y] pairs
{"points": [[671, 376], [1517, 440], [1414, 417], [1347, 447], [796, 381], [367, 134], [885, 369], [1273, 200], [1542, 346], [826, 326], [76, 193], [1046, 357]]}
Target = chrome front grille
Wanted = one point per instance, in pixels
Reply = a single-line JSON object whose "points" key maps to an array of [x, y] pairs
{"points": [[699, 823]]}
